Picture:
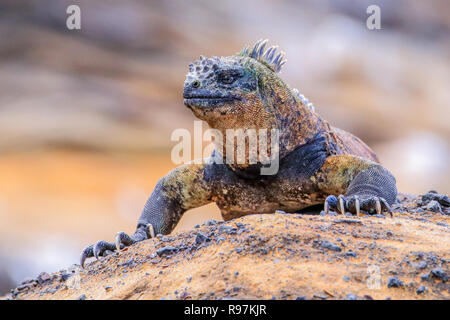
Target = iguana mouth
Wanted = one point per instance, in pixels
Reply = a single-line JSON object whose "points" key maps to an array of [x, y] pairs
{"points": [[192, 100]]}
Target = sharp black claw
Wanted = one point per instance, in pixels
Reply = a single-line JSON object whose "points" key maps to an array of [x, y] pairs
{"points": [[357, 207], [385, 207], [330, 203], [97, 249], [341, 207], [87, 253], [370, 204], [123, 238], [101, 246], [104, 248], [377, 205], [151, 230], [326, 207], [117, 241]]}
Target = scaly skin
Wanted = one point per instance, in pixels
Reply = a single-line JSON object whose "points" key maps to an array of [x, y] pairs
{"points": [[318, 163]]}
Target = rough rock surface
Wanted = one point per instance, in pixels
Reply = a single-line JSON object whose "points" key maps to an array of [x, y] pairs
{"points": [[281, 256]]}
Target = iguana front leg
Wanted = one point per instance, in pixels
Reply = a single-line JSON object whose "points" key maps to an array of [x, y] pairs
{"points": [[354, 184], [182, 189]]}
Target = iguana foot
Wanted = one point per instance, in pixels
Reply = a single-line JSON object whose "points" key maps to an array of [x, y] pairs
{"points": [[104, 248], [355, 204]]}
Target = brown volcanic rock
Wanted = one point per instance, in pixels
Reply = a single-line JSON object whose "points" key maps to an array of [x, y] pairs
{"points": [[285, 256]]}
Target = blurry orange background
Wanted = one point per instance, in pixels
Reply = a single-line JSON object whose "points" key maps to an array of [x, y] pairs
{"points": [[86, 115]]}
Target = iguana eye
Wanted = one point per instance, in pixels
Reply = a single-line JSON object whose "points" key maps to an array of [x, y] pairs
{"points": [[227, 78]]}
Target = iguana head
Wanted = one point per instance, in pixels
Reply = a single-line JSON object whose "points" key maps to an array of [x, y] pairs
{"points": [[244, 91], [228, 91]]}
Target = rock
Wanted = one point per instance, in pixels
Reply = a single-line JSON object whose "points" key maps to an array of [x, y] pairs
{"points": [[320, 296], [211, 222], [420, 265], [278, 262], [28, 280], [425, 277], [82, 297], [394, 282], [227, 230], [43, 277], [439, 274], [434, 206], [351, 297], [220, 239], [166, 239], [165, 250], [349, 221], [421, 289], [127, 263], [329, 245], [200, 238], [24, 286], [65, 275], [429, 197]]}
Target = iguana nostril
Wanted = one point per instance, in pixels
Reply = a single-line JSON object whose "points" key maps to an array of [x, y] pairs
{"points": [[196, 84]]}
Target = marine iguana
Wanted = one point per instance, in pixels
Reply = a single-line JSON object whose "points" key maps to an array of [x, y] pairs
{"points": [[317, 162]]}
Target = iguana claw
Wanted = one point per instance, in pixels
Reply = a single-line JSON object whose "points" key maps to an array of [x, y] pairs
{"points": [[104, 248], [151, 230], [357, 206], [341, 204], [378, 205], [354, 204], [124, 240], [87, 252], [101, 247], [330, 202]]}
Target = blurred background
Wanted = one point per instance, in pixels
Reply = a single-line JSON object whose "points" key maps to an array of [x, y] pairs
{"points": [[86, 115]]}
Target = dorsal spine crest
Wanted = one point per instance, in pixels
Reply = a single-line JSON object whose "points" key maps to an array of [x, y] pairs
{"points": [[270, 58]]}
